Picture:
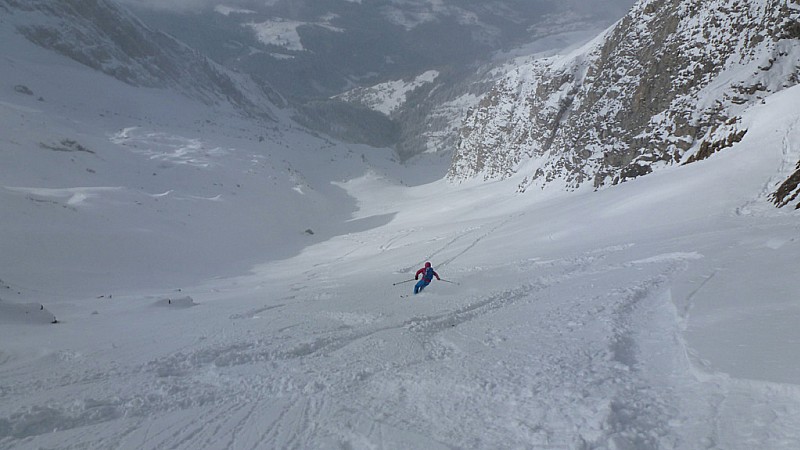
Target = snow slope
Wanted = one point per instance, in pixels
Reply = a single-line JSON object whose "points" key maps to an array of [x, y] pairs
{"points": [[656, 314], [103, 183], [173, 242]]}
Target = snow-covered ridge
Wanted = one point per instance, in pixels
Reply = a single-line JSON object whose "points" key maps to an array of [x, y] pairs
{"points": [[228, 10], [283, 32], [389, 96], [645, 94], [102, 175], [25, 313], [109, 39]]}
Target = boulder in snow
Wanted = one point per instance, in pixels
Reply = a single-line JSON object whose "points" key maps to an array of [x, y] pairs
{"points": [[182, 302]]}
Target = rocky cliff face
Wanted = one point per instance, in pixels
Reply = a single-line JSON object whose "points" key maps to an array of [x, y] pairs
{"points": [[105, 37], [663, 86]]}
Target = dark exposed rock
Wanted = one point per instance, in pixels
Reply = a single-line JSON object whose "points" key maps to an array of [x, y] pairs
{"points": [[66, 145], [22, 89], [788, 191], [709, 147]]}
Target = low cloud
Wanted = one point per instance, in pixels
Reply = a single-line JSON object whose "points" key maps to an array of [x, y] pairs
{"points": [[177, 5]]}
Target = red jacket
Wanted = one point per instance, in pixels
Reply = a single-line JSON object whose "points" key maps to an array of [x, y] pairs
{"points": [[422, 272]]}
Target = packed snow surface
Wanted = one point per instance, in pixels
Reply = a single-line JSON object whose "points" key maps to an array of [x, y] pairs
{"points": [[195, 312]]}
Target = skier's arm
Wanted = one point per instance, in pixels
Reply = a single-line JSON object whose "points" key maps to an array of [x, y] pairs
{"points": [[437, 276], [416, 276]]}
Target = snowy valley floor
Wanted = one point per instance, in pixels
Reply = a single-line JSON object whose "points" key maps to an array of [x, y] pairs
{"points": [[661, 313]]}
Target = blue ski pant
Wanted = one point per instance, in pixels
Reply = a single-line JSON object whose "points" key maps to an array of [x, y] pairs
{"points": [[420, 286]]}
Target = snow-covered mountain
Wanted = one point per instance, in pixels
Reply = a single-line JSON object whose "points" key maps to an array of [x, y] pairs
{"points": [[318, 48], [312, 50], [224, 279], [666, 85], [107, 38], [429, 107], [390, 96], [125, 151]]}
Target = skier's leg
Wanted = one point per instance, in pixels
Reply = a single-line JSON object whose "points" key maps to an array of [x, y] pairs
{"points": [[423, 285], [418, 287]]}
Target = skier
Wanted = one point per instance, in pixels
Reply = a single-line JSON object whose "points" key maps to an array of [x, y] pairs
{"points": [[427, 273]]}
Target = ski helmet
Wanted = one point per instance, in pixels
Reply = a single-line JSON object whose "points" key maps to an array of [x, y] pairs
{"points": [[427, 264]]}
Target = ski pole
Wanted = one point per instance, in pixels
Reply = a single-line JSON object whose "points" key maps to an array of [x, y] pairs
{"points": [[448, 281], [401, 282]]}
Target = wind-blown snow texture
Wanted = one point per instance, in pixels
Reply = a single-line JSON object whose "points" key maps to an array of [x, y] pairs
{"points": [[196, 309], [671, 76]]}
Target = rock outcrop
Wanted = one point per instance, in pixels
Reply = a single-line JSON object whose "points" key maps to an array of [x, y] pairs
{"points": [[664, 86]]}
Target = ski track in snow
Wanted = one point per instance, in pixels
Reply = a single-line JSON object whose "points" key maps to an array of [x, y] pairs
{"points": [[446, 248], [592, 375]]}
